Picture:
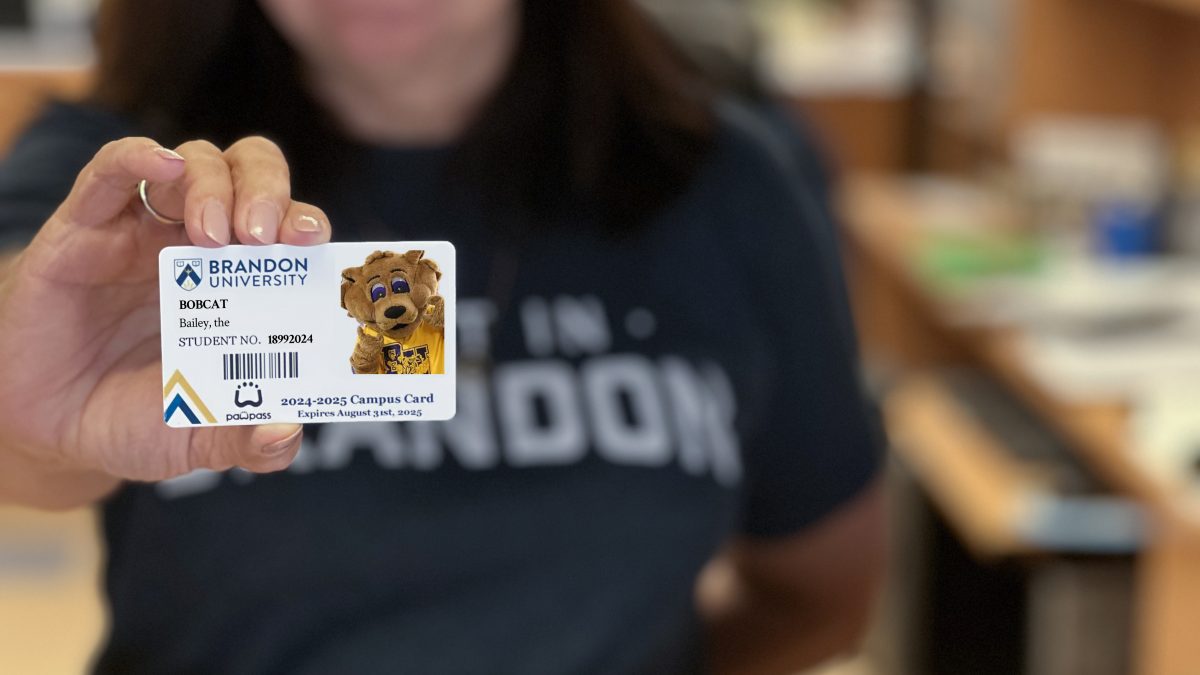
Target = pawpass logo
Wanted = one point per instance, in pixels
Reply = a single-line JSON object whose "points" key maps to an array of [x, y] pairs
{"points": [[187, 272]]}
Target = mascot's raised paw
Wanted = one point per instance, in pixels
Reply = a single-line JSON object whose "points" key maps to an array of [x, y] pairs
{"points": [[435, 314], [368, 340], [400, 315], [367, 356]]}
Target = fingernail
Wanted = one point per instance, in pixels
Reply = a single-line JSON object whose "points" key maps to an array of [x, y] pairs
{"points": [[215, 222], [284, 445], [263, 222], [168, 153], [308, 224]]}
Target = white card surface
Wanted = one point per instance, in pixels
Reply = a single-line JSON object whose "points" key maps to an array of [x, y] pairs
{"points": [[263, 334]]}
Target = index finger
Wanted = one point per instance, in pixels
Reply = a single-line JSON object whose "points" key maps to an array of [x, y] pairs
{"points": [[262, 188], [105, 186]]}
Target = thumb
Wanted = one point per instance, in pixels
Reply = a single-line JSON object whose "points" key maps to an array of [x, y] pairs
{"points": [[262, 449]]}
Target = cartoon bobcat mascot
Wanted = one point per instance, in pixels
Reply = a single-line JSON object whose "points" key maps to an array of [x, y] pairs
{"points": [[400, 315]]}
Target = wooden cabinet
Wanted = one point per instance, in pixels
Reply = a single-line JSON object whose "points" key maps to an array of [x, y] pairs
{"points": [[1107, 58]]}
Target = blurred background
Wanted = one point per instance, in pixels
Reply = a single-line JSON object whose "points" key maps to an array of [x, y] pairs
{"points": [[1017, 189]]}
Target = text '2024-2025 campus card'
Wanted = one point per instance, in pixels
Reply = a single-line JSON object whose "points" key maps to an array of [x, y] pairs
{"points": [[335, 333]]}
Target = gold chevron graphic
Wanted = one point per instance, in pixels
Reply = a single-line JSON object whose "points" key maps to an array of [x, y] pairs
{"points": [[178, 379]]}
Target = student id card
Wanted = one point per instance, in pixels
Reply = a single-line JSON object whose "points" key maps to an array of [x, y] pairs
{"points": [[341, 332]]}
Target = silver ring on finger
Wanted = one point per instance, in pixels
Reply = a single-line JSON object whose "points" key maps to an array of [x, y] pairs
{"points": [[142, 193]]}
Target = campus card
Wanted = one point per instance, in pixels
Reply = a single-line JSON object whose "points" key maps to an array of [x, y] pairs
{"points": [[341, 332]]}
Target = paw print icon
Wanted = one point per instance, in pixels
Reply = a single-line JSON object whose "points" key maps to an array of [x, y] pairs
{"points": [[247, 395]]}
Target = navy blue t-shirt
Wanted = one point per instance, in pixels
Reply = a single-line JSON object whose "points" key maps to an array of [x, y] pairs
{"points": [[626, 406]]}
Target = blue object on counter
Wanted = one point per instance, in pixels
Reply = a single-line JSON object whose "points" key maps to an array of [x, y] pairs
{"points": [[1126, 230], [1083, 524]]}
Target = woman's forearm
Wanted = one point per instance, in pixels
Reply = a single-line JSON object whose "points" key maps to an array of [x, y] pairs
{"points": [[768, 636], [782, 605]]}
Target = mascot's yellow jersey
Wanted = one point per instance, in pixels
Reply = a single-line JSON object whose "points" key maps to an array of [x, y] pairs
{"points": [[421, 354]]}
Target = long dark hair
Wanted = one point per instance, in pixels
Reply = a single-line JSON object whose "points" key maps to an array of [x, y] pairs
{"points": [[598, 110]]}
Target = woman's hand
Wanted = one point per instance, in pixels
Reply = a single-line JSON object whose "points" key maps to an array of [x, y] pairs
{"points": [[81, 383]]}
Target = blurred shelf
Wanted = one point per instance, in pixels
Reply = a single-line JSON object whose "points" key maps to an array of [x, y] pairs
{"points": [[881, 216], [999, 502], [979, 489], [980, 494]]}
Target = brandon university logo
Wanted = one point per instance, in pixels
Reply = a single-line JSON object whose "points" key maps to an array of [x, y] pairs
{"points": [[187, 272], [184, 401]]}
